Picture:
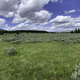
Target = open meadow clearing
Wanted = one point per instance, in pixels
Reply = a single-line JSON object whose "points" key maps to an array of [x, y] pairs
{"points": [[36, 56]]}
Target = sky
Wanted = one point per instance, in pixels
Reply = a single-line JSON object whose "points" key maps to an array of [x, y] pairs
{"points": [[46, 15]]}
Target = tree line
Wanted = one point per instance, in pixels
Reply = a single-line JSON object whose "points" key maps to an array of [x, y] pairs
{"points": [[33, 31], [21, 31], [76, 31]]}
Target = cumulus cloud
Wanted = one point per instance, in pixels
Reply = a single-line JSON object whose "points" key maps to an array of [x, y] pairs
{"points": [[43, 24], [32, 11], [59, 23], [2, 22], [10, 14], [8, 7], [24, 26], [24, 8], [18, 19], [27, 7], [64, 23], [77, 19], [71, 11], [39, 17], [61, 20], [77, 24]]}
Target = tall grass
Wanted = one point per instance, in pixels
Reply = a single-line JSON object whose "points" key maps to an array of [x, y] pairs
{"points": [[48, 60]]}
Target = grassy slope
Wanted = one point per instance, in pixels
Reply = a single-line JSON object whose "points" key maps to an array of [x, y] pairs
{"points": [[34, 59]]}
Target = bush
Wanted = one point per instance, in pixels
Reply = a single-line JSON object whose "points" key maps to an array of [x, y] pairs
{"points": [[9, 39], [62, 40], [76, 74], [38, 40], [28, 41], [78, 40], [4, 34], [21, 36], [10, 51], [17, 42], [33, 40]]}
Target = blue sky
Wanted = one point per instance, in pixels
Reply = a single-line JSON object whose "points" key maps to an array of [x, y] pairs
{"points": [[48, 15]]}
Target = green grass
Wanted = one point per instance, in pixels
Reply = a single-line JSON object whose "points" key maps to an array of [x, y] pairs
{"points": [[39, 61]]}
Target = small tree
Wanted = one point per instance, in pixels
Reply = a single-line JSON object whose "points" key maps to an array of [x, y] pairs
{"points": [[76, 31], [17, 32], [72, 31]]}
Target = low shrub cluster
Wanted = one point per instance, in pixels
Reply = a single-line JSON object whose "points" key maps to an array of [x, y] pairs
{"points": [[17, 42], [4, 34], [9, 39], [13, 40], [37, 38], [34, 40], [76, 74], [10, 51], [21, 36]]}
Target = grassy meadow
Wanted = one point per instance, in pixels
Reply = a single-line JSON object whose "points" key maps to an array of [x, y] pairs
{"points": [[38, 56]]}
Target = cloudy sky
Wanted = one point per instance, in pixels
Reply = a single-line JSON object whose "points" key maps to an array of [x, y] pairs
{"points": [[48, 15]]}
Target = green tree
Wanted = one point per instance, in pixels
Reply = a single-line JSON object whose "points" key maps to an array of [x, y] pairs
{"points": [[76, 30]]}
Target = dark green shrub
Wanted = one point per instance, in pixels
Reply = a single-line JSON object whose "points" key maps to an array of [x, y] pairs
{"points": [[62, 40]]}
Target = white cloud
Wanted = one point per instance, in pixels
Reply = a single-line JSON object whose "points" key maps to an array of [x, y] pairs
{"points": [[77, 24], [77, 19], [54, 0], [28, 7], [60, 23], [64, 23], [10, 14], [24, 26], [18, 19], [45, 23], [8, 7], [32, 11], [61, 1], [2, 22], [71, 11], [39, 18], [61, 20]]}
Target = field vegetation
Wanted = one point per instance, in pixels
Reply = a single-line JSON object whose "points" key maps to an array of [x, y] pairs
{"points": [[35, 56]]}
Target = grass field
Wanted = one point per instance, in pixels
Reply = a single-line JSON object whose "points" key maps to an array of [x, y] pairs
{"points": [[40, 57]]}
